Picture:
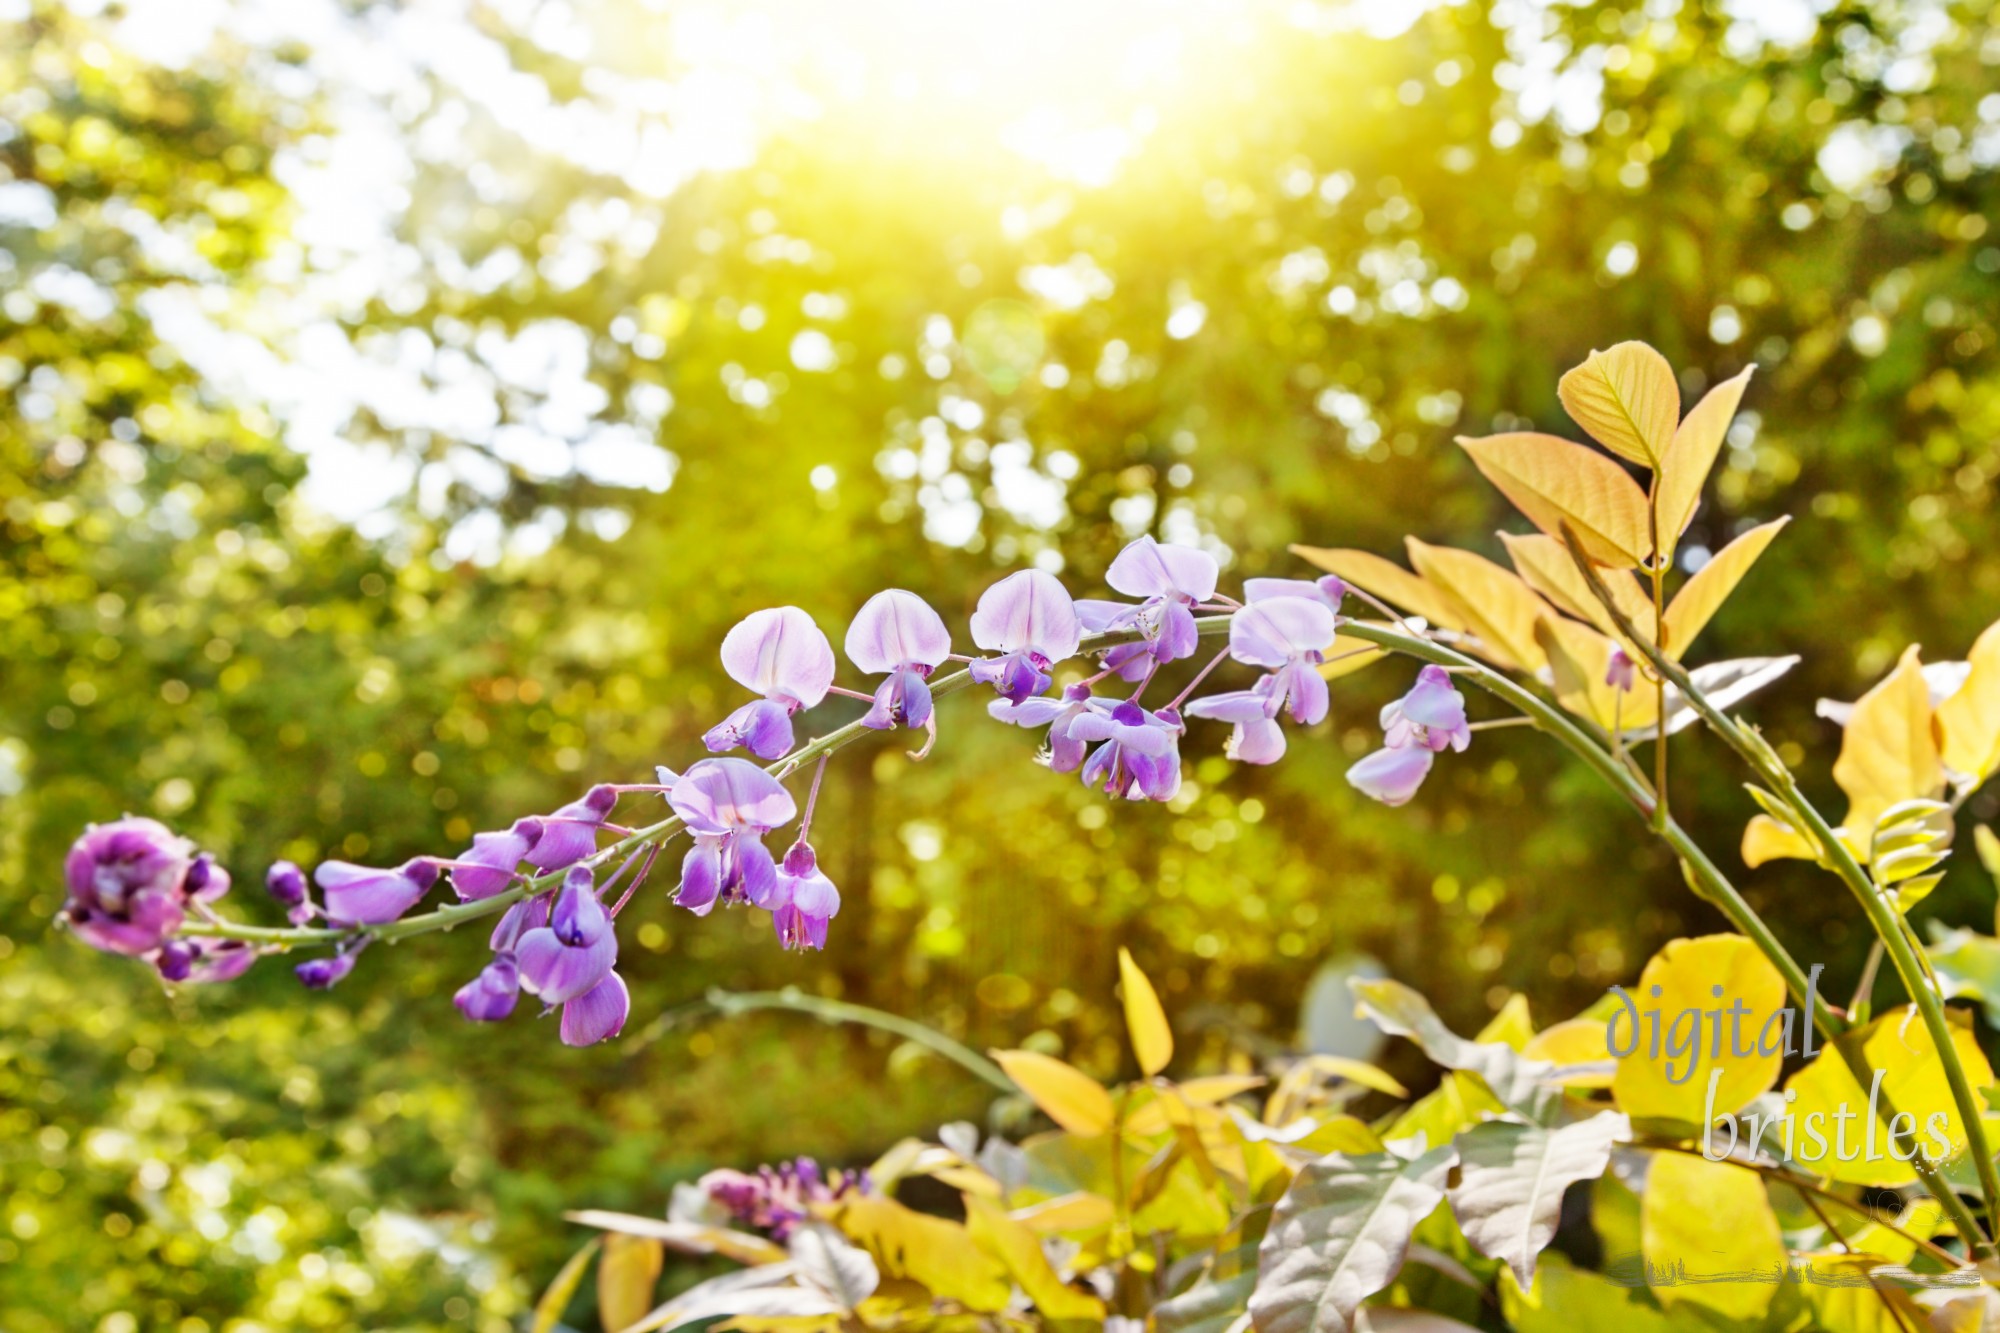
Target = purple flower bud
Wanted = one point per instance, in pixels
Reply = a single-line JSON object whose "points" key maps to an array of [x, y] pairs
{"points": [[286, 884], [490, 996], [365, 896], [803, 901], [578, 918], [176, 960], [596, 1014], [325, 973], [570, 834], [1621, 672], [502, 851], [206, 879], [762, 726], [1391, 776], [127, 885]]}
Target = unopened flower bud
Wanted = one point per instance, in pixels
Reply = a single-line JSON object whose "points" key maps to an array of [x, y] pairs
{"points": [[286, 884], [324, 973]]}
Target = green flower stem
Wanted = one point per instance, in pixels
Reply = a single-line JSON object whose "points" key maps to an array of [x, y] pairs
{"points": [[1707, 880], [1883, 917], [731, 1004]]}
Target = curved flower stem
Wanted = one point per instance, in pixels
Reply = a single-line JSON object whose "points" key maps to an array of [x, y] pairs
{"points": [[731, 1004], [1704, 877], [650, 835], [1883, 918]]}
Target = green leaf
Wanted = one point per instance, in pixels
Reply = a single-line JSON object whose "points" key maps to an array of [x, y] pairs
{"points": [[549, 1309], [1967, 966], [1509, 1195], [1565, 1300], [1710, 1224], [1339, 1236]]}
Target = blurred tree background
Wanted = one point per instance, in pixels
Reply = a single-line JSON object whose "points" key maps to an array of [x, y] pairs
{"points": [[402, 400]]}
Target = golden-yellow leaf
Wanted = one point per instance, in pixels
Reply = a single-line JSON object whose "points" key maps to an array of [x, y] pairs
{"points": [[1970, 718], [1888, 753], [1579, 1041], [1687, 971], [1913, 1080], [1765, 839], [1493, 603], [1066, 1095], [929, 1250], [1579, 658], [1700, 1219], [1145, 1020], [1387, 580], [1701, 596], [1079, 1211], [1553, 481], [1684, 471], [1218, 1088], [1511, 1026], [1544, 562], [1627, 398], [626, 1276], [1016, 1246]]}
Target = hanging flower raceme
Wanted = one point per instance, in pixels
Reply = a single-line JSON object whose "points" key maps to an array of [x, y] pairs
{"points": [[728, 805], [1430, 718], [804, 901], [897, 632], [1030, 620], [1287, 627], [783, 656], [130, 885], [1171, 581], [1065, 750], [1139, 758]]}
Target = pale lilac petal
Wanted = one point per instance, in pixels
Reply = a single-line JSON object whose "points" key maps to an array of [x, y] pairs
{"points": [[701, 875], [1270, 633], [1098, 616], [721, 795], [1304, 691], [762, 726], [780, 653], [1391, 776], [598, 1014], [1147, 569], [894, 629], [364, 896], [490, 996], [551, 969], [1178, 636], [1027, 610], [524, 916], [755, 872], [1258, 740], [815, 896], [1238, 706], [1037, 712], [1328, 589]]}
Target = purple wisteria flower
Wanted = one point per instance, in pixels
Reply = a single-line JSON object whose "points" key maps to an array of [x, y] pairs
{"points": [[365, 896], [328, 972], [1065, 750], [575, 950], [489, 867], [1328, 588], [898, 632], [1430, 718], [783, 656], [1140, 758], [804, 901], [197, 964], [1287, 626], [490, 996], [1171, 581], [1256, 737], [728, 805], [1030, 620], [776, 1200], [1620, 672], [570, 834], [128, 885]]}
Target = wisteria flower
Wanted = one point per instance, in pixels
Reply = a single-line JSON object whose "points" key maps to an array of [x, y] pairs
{"points": [[728, 805], [1256, 738], [805, 900], [489, 867], [1029, 619], [576, 950], [1171, 581], [898, 632], [1620, 672], [775, 1200], [1140, 758], [1065, 750], [490, 996], [204, 963], [783, 656], [1329, 589], [598, 1013], [365, 896], [570, 834], [1290, 635], [1431, 715], [326, 973], [127, 885]]}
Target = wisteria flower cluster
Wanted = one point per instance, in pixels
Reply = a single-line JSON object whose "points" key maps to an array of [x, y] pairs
{"points": [[773, 1200], [558, 887]]}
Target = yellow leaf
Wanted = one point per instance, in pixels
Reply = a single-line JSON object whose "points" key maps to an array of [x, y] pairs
{"points": [[1627, 398], [1544, 562], [1684, 471], [1145, 1020], [1765, 839], [1686, 972], [1859, 1152], [1702, 595], [625, 1279], [1387, 580], [1843, 1299], [549, 1309], [1356, 1071], [1014, 1245], [1578, 659], [1554, 482], [1579, 1041], [1066, 1095], [1068, 1212], [1511, 1026], [1888, 754], [929, 1250], [1700, 1219], [1970, 718], [1493, 603]]}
